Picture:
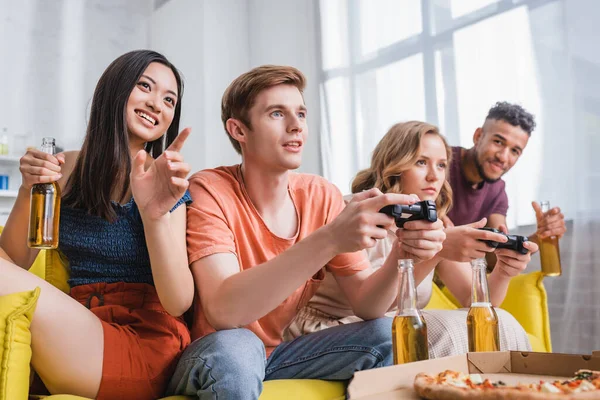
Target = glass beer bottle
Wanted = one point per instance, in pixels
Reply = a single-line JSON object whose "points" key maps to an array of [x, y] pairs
{"points": [[44, 214], [482, 321], [549, 251], [409, 331]]}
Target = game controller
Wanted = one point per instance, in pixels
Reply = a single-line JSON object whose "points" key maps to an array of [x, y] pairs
{"points": [[421, 210], [515, 242]]}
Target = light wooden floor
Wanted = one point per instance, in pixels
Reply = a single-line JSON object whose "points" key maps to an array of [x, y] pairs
{"points": [[574, 297]]}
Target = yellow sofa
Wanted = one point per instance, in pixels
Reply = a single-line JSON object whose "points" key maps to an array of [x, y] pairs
{"points": [[526, 300]]}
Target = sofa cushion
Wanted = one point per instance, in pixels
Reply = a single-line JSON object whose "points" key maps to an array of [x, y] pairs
{"points": [[52, 266], [289, 389], [16, 312], [439, 300], [536, 344], [527, 301]]}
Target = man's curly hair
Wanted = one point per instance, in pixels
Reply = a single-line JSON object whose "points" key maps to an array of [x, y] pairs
{"points": [[513, 114]]}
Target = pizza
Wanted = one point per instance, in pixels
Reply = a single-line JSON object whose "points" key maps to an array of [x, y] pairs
{"points": [[452, 385]]}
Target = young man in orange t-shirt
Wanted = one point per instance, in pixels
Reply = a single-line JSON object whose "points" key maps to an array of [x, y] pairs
{"points": [[259, 238]]}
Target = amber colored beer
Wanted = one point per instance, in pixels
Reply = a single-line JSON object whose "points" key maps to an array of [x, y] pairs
{"points": [[482, 328], [409, 339], [409, 331], [44, 216], [550, 256], [549, 250]]}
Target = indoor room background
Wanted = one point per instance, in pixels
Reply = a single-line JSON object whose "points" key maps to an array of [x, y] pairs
{"points": [[369, 64]]}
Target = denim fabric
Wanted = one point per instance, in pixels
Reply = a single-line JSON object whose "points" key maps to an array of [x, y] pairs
{"points": [[232, 364]]}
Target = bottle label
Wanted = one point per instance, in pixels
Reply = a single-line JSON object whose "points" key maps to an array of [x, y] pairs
{"points": [[481, 304]]}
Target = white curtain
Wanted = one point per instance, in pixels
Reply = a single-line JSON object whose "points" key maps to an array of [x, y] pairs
{"points": [[447, 62]]}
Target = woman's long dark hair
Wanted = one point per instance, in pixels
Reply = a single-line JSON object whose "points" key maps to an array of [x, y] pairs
{"points": [[104, 160]]}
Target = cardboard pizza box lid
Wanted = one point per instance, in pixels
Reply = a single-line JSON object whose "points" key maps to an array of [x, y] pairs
{"points": [[551, 364], [399, 377], [395, 382], [498, 362]]}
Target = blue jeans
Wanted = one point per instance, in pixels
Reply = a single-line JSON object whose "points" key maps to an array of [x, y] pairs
{"points": [[232, 364]]}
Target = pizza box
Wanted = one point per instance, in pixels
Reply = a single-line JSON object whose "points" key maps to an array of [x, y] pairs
{"points": [[511, 367]]}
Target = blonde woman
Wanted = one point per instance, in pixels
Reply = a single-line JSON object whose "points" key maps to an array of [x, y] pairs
{"points": [[413, 158]]}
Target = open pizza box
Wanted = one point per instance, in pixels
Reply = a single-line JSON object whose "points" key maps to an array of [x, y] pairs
{"points": [[511, 367]]}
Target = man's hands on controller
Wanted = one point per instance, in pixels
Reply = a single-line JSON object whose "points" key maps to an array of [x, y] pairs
{"points": [[467, 242], [511, 263], [360, 223]]}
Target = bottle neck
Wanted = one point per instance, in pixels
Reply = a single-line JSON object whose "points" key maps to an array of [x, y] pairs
{"points": [[48, 149], [479, 289], [545, 206], [48, 145], [407, 295]]}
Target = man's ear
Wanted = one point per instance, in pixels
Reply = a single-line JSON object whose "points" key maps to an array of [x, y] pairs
{"points": [[477, 135], [235, 128]]}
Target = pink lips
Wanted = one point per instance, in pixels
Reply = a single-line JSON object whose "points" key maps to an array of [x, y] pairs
{"points": [[497, 167], [151, 115], [293, 146]]}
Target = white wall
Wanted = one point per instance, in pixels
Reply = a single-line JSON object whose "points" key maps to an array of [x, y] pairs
{"points": [[226, 27], [284, 32], [209, 53], [53, 53], [172, 33]]}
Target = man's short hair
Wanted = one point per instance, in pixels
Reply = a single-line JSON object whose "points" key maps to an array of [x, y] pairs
{"points": [[513, 114], [241, 94]]}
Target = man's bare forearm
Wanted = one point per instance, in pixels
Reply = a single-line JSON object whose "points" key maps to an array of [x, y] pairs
{"points": [[251, 294]]}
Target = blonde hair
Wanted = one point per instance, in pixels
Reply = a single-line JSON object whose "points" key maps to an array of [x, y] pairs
{"points": [[397, 152], [240, 95]]}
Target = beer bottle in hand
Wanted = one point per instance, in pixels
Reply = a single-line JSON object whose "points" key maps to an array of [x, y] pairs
{"points": [[549, 251], [44, 214]]}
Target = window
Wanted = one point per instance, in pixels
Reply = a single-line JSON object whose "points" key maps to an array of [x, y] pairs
{"points": [[443, 61], [385, 22], [334, 30], [389, 94]]}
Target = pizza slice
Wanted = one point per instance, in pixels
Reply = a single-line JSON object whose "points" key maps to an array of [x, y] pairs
{"points": [[450, 385]]}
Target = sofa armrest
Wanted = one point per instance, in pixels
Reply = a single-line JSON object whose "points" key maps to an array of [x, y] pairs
{"points": [[527, 300]]}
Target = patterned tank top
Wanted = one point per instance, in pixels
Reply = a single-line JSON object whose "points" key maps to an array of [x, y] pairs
{"points": [[103, 251]]}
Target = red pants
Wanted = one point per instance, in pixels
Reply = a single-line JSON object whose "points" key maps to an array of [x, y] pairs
{"points": [[142, 342]]}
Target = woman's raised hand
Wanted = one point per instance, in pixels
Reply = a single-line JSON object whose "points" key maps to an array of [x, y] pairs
{"points": [[157, 189]]}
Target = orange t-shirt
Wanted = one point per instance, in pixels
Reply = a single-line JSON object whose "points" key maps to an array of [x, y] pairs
{"points": [[222, 219]]}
